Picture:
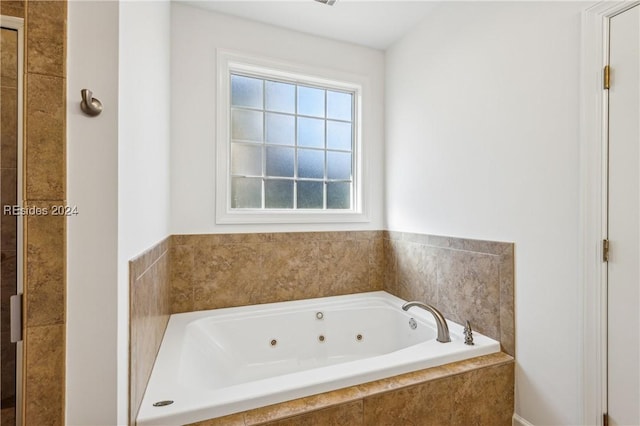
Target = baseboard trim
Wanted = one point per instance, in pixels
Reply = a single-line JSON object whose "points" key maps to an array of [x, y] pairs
{"points": [[519, 421]]}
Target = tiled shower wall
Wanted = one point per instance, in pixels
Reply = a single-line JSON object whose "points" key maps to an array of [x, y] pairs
{"points": [[44, 177], [466, 279]]}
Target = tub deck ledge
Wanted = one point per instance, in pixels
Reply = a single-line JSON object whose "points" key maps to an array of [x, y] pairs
{"points": [[353, 397]]}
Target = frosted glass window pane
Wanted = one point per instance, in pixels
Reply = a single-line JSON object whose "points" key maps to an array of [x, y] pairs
{"points": [[310, 101], [280, 161], [310, 195], [339, 135], [280, 97], [310, 132], [338, 195], [281, 129], [246, 193], [291, 145], [246, 160], [246, 125], [278, 194], [310, 163], [339, 105], [338, 165], [246, 91]]}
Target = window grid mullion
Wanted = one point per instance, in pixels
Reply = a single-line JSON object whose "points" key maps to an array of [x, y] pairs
{"points": [[295, 151], [325, 201], [325, 149], [264, 146]]}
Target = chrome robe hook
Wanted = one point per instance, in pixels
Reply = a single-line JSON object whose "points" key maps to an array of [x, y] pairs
{"points": [[90, 105]]}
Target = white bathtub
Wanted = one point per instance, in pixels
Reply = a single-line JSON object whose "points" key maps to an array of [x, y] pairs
{"points": [[223, 361]]}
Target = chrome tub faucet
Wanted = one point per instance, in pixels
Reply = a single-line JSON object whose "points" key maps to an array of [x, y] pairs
{"points": [[443, 328]]}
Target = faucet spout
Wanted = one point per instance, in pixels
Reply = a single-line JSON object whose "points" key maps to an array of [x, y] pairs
{"points": [[441, 322]]}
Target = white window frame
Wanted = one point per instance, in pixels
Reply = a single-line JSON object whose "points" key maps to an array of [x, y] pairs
{"points": [[229, 62]]}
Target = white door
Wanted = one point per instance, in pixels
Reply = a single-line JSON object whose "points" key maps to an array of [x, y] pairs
{"points": [[623, 315]]}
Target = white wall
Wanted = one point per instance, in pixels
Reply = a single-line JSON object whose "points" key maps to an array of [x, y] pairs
{"points": [[92, 235], [195, 36], [143, 151], [118, 176], [482, 142]]}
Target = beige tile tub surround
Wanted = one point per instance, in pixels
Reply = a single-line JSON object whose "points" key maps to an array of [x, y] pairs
{"points": [[478, 391], [148, 316], [223, 270], [465, 279]]}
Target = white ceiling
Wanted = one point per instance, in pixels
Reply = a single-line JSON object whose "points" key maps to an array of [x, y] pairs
{"points": [[375, 24]]}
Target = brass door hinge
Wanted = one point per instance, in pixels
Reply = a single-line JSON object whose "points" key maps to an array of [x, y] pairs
{"points": [[607, 77], [605, 419], [605, 250]]}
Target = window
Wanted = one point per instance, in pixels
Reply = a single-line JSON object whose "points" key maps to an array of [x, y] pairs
{"points": [[288, 144], [291, 145]]}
